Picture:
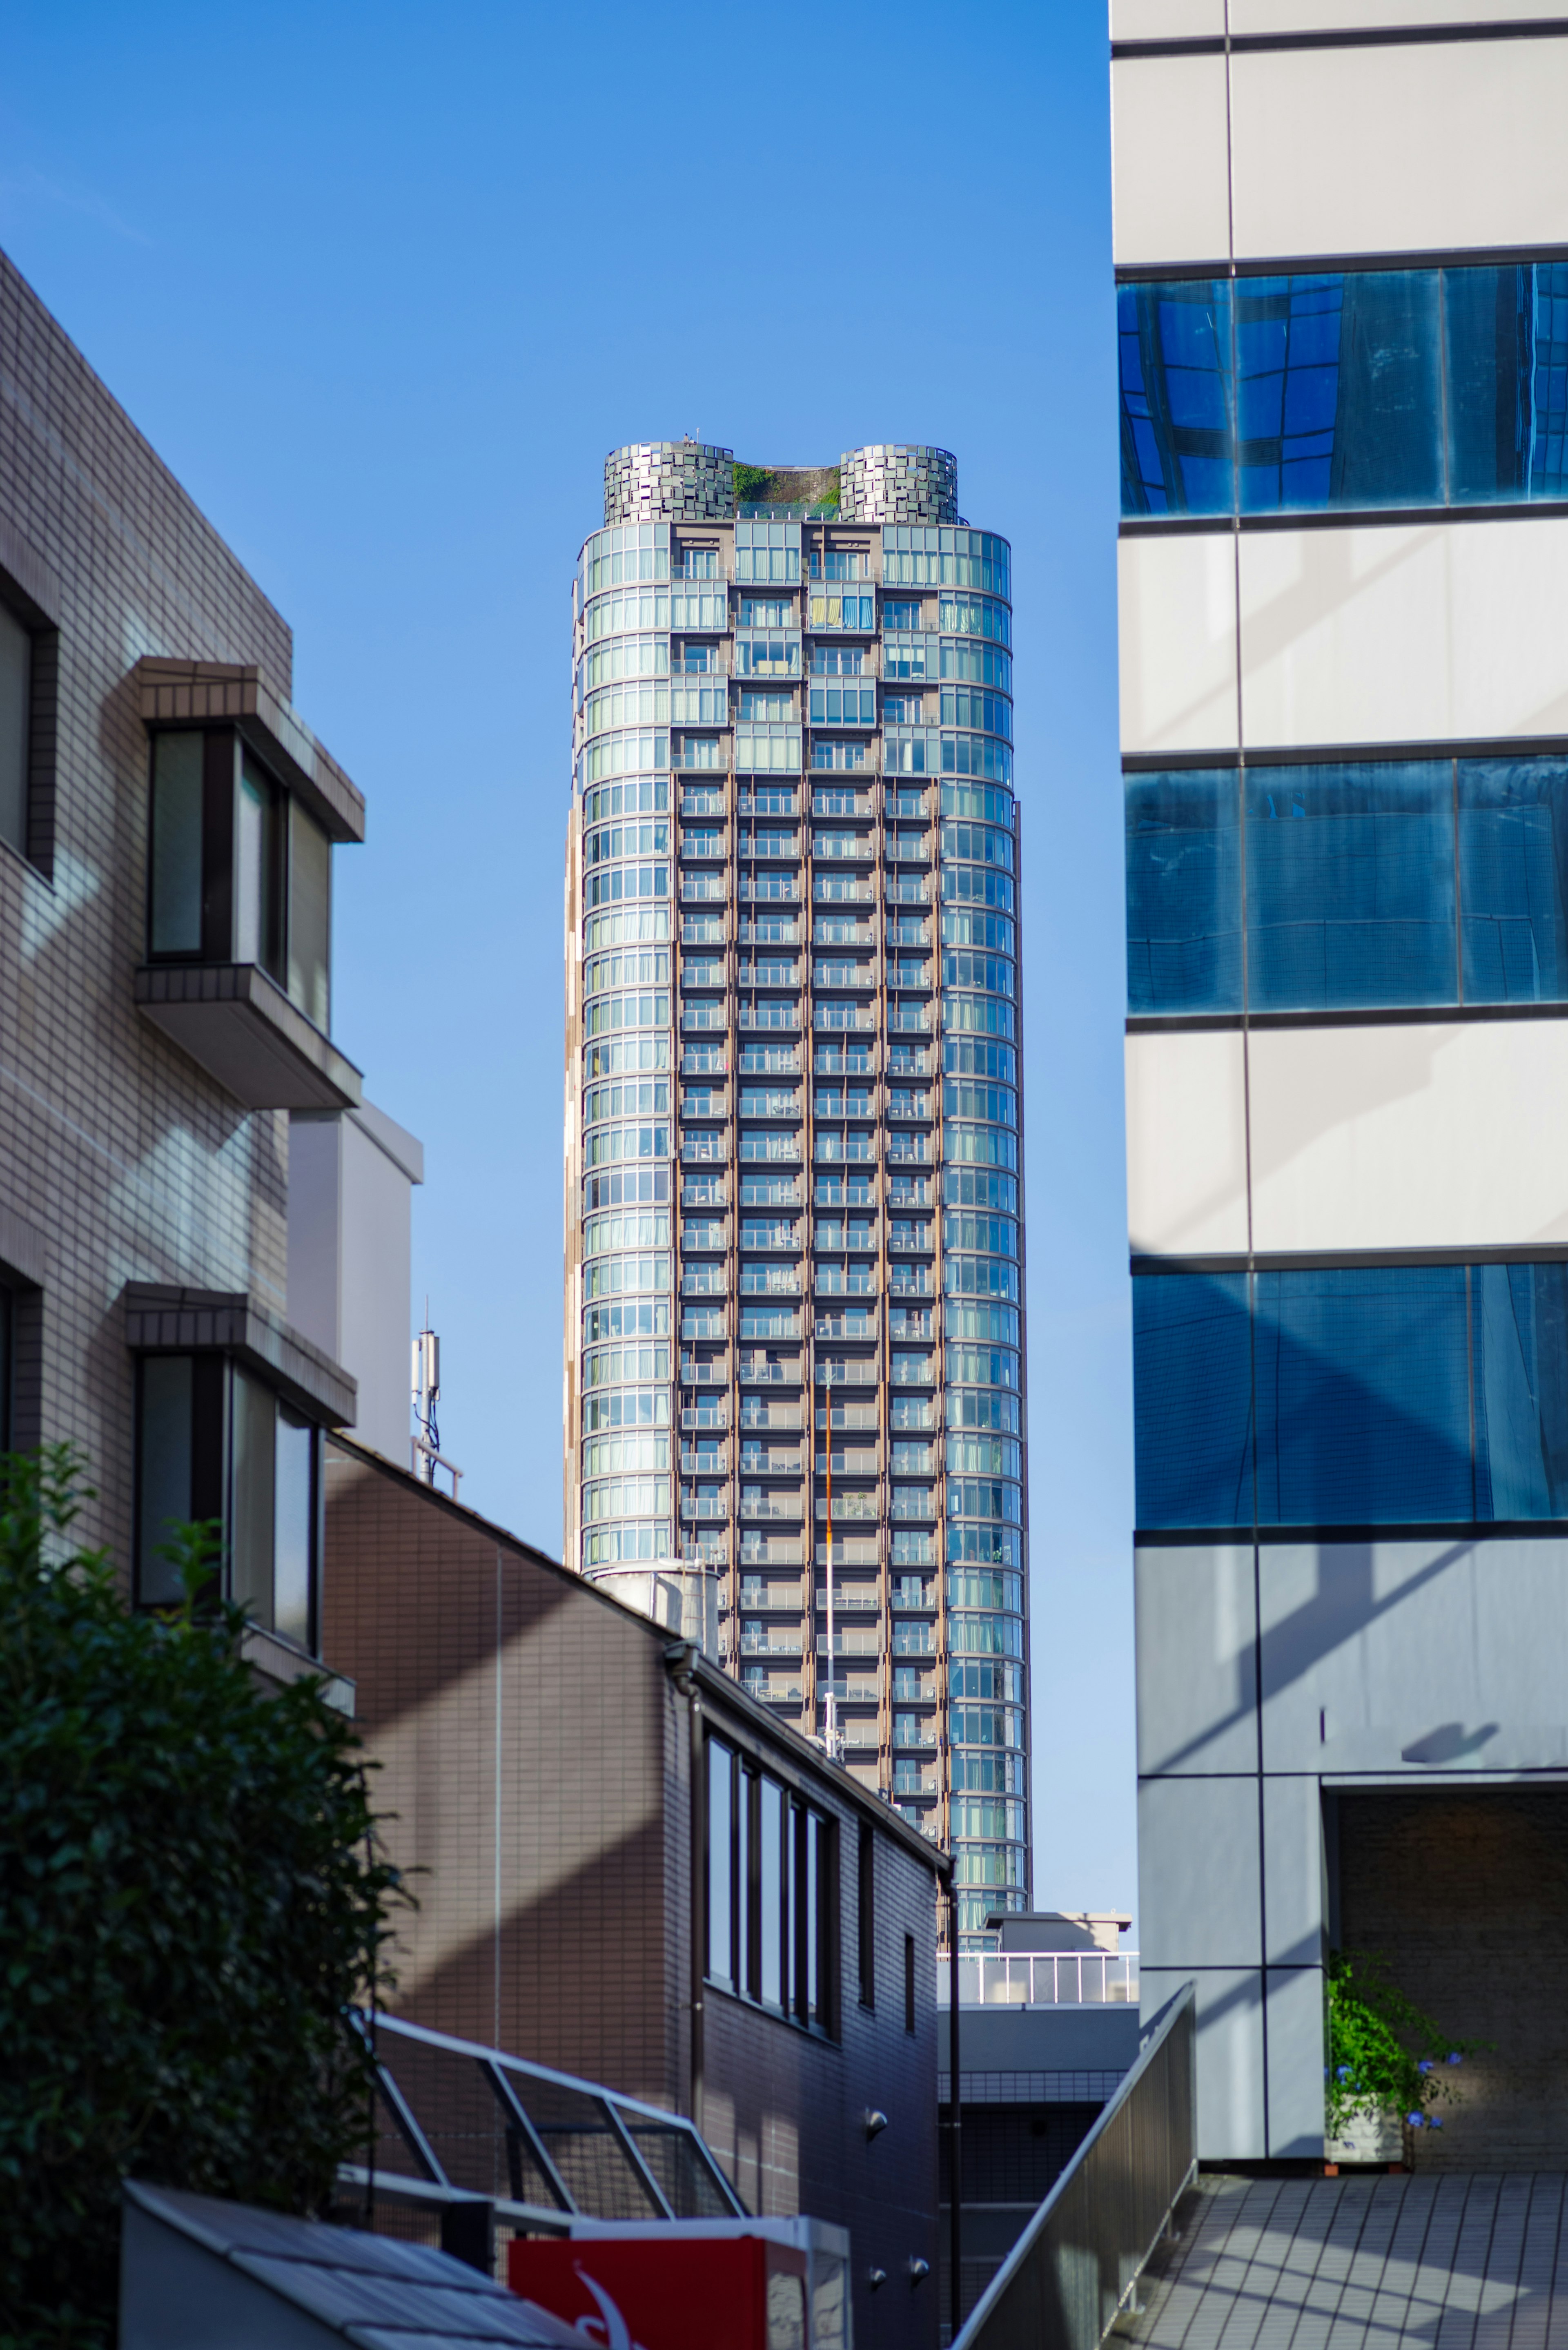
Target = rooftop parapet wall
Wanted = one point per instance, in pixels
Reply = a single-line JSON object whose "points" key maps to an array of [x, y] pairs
{"points": [[888, 481], [670, 481]]}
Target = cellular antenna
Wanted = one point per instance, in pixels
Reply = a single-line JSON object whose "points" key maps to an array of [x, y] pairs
{"points": [[426, 1452]]}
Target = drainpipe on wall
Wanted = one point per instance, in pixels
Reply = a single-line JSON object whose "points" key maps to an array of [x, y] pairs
{"points": [[682, 1659]]}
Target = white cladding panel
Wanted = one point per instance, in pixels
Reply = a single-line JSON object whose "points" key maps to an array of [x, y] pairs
{"points": [[1191, 1914], [1403, 633], [1230, 2004], [1294, 2022], [1197, 1658], [1293, 1871], [1169, 192], [1414, 1656], [1414, 1136], [1187, 1143], [1176, 607], [1255, 16], [1395, 148]]}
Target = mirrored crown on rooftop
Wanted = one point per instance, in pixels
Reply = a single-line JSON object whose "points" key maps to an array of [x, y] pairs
{"points": [[694, 480]]}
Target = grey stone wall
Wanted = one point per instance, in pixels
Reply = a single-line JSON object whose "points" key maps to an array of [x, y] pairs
{"points": [[670, 481], [889, 482]]}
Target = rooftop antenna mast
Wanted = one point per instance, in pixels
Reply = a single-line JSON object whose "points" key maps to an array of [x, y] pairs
{"points": [[427, 1456]]}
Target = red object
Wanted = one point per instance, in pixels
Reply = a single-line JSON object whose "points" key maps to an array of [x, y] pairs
{"points": [[691, 2293]]}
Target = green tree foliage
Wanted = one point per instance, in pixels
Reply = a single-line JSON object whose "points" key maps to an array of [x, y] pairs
{"points": [[190, 1892], [1383, 2051]]}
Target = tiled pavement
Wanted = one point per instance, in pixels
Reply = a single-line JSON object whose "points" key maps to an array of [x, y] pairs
{"points": [[1450, 2261]]}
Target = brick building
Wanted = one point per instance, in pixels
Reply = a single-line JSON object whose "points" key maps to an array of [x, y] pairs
{"points": [[167, 828], [552, 1761]]}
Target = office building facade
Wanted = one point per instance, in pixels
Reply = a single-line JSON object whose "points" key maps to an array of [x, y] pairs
{"points": [[1343, 572], [794, 1149]]}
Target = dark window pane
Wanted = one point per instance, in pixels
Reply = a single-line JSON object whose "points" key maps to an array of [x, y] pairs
{"points": [[1177, 452], [309, 917], [1350, 886], [1363, 1396], [1340, 393], [163, 1472], [1184, 892], [15, 700], [1487, 334], [258, 909], [770, 1907], [176, 910], [1520, 1321], [1192, 1399], [1513, 879]]}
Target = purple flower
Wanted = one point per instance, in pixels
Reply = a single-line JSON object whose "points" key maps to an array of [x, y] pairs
{"points": [[1425, 2065], [1454, 2057], [1434, 2121], [1342, 2073], [1417, 2121]]}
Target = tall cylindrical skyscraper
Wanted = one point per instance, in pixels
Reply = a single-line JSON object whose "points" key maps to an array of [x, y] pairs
{"points": [[793, 1137]]}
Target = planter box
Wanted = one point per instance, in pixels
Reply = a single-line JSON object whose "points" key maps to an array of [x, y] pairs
{"points": [[1370, 2134]]}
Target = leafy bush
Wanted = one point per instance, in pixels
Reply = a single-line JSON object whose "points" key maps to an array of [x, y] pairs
{"points": [[1383, 2051], [190, 1892]]}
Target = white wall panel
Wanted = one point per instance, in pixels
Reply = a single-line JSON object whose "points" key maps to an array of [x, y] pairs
{"points": [[1169, 194], [1197, 1872], [1229, 2056], [1396, 633], [1197, 1659], [1399, 148], [1255, 16], [1293, 1871], [1414, 1656], [1168, 20], [1176, 607], [1292, 2020], [1187, 1142], [1413, 1136]]}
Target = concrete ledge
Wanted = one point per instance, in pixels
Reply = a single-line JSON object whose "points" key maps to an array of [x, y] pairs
{"points": [[238, 1024], [281, 1662], [186, 693], [165, 1320]]}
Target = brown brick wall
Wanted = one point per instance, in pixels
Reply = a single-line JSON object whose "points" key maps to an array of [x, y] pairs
{"points": [[127, 1162], [1466, 1896], [567, 1937]]}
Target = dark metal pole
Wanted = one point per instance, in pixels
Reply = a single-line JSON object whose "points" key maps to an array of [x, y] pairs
{"points": [[955, 2130]]}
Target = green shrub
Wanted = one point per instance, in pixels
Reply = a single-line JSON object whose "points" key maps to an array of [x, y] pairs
{"points": [[190, 1892], [1383, 2051], [750, 483]]}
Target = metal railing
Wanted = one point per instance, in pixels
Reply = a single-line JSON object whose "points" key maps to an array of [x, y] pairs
{"points": [[1046, 1978], [1074, 2269]]}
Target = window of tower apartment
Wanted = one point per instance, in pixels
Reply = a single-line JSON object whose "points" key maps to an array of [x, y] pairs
{"points": [[239, 870], [772, 1894], [27, 662], [216, 1442]]}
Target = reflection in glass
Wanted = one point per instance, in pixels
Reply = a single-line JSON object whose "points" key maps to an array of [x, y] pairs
{"points": [[1363, 1396], [1178, 455], [163, 1472], [1184, 892], [1520, 1322], [1340, 390], [1513, 879], [1350, 885], [721, 1782], [1192, 1408], [770, 1906]]}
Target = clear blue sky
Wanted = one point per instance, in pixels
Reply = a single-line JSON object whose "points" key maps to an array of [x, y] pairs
{"points": [[383, 284]]}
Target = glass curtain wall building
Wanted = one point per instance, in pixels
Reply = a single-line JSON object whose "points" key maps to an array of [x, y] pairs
{"points": [[795, 1282], [1344, 561]]}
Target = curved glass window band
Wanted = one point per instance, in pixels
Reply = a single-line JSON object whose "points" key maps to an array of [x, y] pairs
{"points": [[1356, 388]]}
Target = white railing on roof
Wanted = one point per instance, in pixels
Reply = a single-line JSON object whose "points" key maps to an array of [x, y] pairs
{"points": [[1044, 1979]]}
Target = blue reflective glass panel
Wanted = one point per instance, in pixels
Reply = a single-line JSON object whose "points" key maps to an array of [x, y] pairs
{"points": [[1184, 891], [1178, 452], [1506, 348], [1513, 879], [1520, 1325], [1363, 1396], [1350, 885], [1339, 389], [1192, 1399]]}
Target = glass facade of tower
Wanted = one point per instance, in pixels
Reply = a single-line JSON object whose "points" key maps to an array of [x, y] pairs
{"points": [[794, 1312]]}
